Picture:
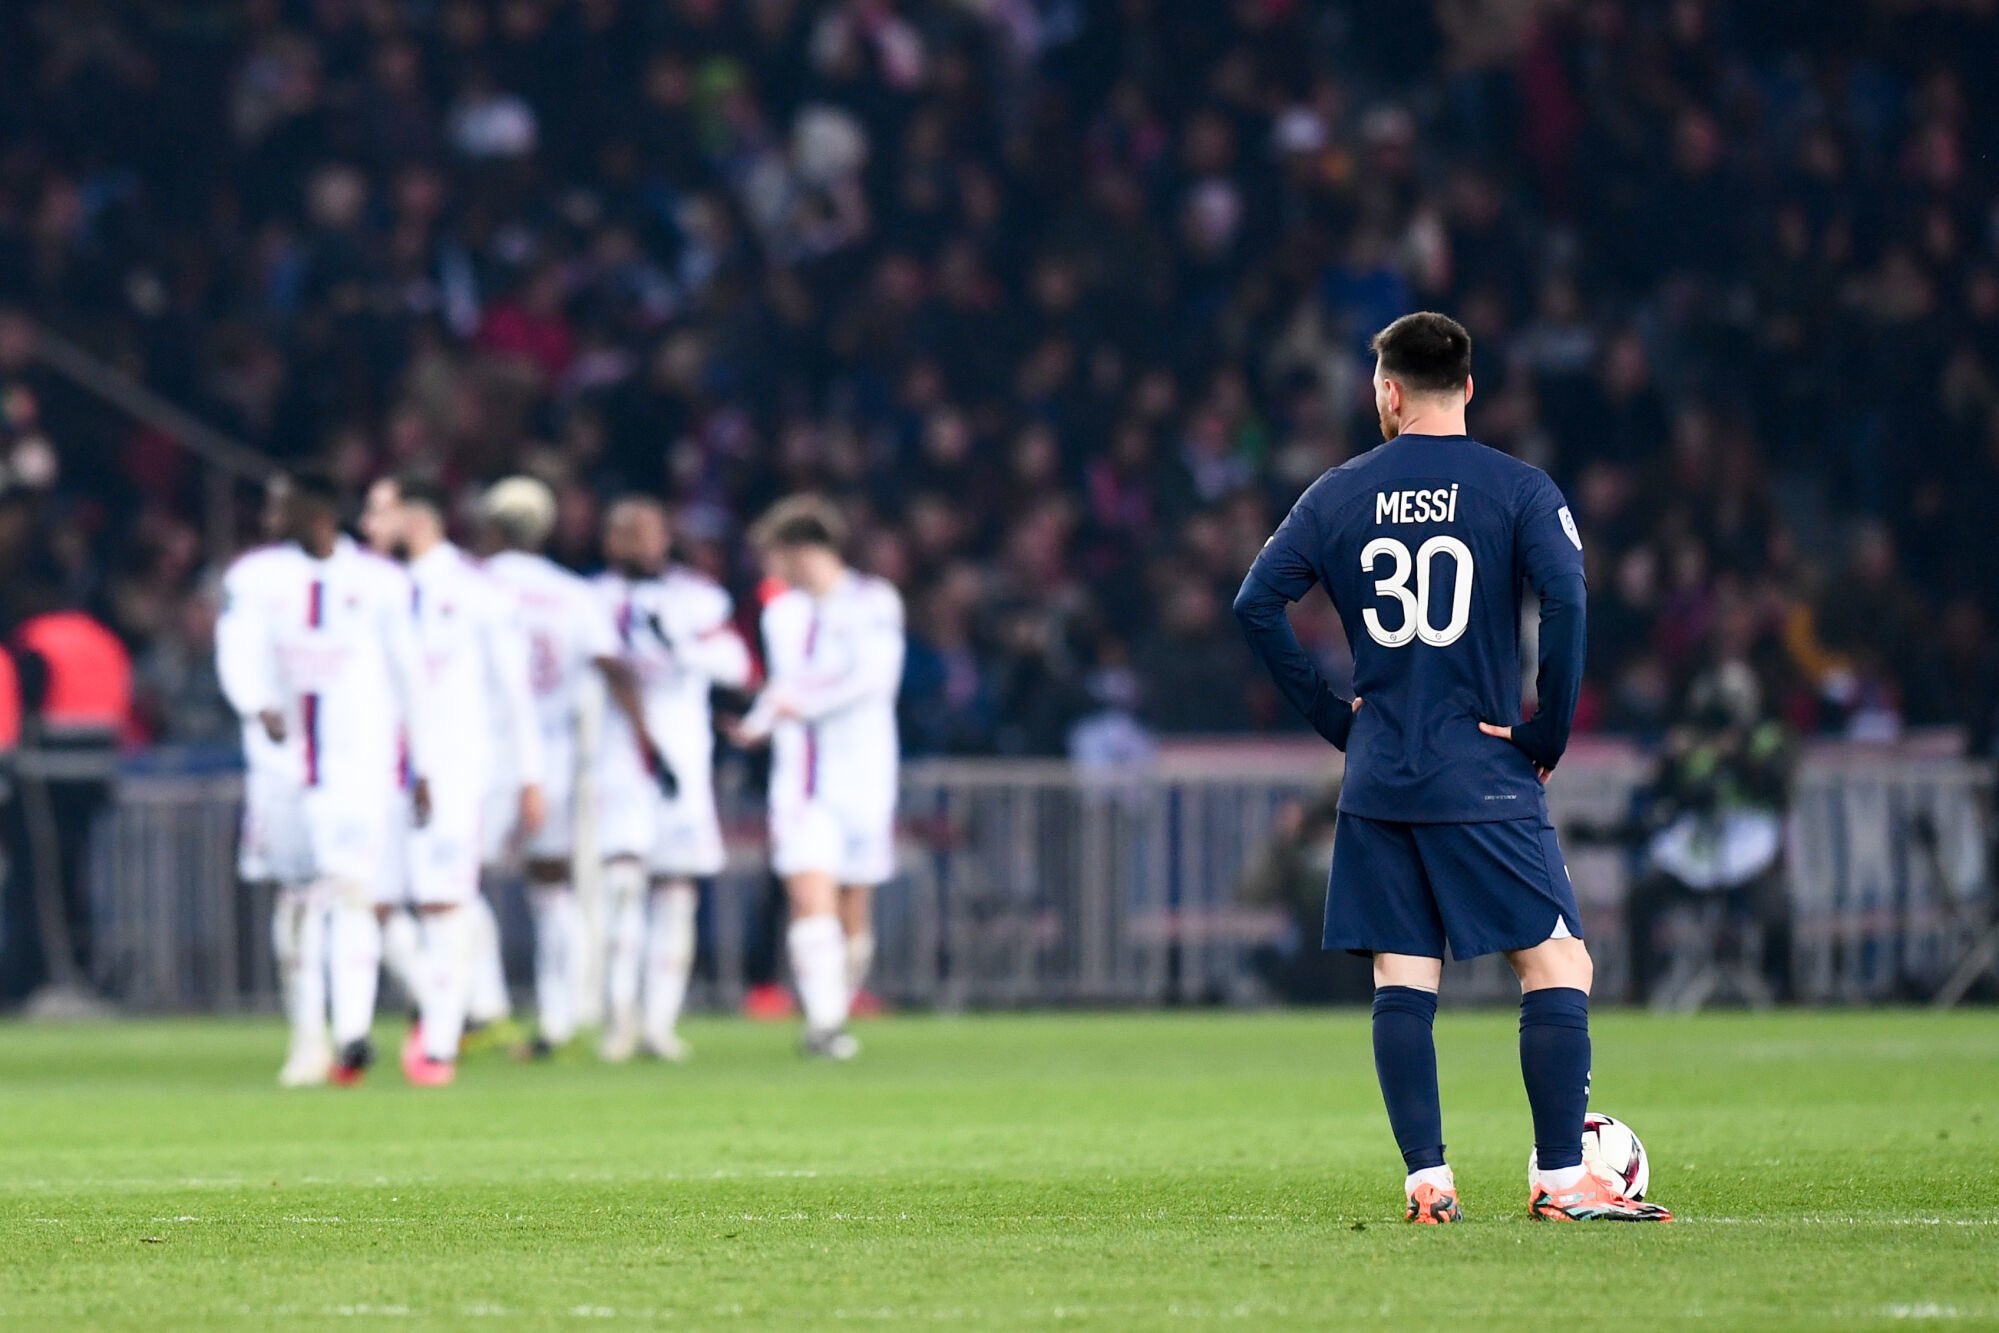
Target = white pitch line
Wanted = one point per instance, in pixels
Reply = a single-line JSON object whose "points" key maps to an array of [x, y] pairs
{"points": [[1833, 1220]]}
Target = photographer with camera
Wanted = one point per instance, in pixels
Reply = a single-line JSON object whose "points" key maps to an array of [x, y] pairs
{"points": [[1711, 822]]}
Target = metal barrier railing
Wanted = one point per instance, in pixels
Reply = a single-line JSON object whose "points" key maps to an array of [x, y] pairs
{"points": [[1037, 883], [1889, 875]]}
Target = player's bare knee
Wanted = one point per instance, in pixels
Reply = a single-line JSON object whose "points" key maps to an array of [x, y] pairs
{"points": [[1398, 969], [857, 907], [1554, 963], [812, 893]]}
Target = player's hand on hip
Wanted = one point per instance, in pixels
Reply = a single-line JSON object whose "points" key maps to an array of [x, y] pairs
{"points": [[533, 811], [741, 736], [420, 800], [1506, 734], [274, 725], [662, 772]]}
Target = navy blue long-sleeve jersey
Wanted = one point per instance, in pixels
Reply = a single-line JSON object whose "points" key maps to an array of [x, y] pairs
{"points": [[1424, 546]]}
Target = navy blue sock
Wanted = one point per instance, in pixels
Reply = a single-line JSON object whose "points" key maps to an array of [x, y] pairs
{"points": [[1405, 1060], [1554, 1062]]}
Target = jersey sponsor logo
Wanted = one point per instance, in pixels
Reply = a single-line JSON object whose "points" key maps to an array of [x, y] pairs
{"points": [[1569, 526], [1421, 506]]}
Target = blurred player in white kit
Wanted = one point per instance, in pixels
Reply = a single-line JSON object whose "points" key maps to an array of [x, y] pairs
{"points": [[834, 647], [572, 645], [272, 850], [316, 647], [676, 633], [475, 657]]}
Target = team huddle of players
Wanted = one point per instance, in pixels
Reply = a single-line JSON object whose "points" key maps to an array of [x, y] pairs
{"points": [[415, 717]]}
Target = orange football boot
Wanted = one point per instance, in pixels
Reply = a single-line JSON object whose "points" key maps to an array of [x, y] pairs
{"points": [[1591, 1199], [1432, 1207]]}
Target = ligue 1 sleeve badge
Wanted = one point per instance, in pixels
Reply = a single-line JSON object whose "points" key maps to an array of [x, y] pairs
{"points": [[1569, 526]]}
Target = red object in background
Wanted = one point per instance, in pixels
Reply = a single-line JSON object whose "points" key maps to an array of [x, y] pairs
{"points": [[89, 671], [10, 702], [512, 330], [769, 1003]]}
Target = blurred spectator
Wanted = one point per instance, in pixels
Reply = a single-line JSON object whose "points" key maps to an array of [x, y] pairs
{"points": [[1288, 877], [76, 693]]}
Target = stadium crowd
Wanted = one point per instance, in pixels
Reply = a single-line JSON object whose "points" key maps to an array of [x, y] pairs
{"points": [[1065, 300]]}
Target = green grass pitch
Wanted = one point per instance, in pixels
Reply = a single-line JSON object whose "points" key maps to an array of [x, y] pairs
{"points": [[1094, 1171]]}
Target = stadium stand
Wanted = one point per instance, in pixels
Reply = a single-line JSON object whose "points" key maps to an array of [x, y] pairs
{"points": [[1064, 300]]}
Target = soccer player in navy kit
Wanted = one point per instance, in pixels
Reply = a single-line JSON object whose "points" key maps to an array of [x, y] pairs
{"points": [[1424, 545]]}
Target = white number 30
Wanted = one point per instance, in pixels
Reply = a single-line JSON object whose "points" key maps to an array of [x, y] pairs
{"points": [[1416, 605]]}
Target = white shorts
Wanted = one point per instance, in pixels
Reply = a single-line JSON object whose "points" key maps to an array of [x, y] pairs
{"points": [[687, 841], [854, 847], [628, 801], [442, 859], [350, 836], [553, 841], [274, 844], [556, 839]]}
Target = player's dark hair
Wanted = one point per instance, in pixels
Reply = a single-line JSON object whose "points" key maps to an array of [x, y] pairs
{"points": [[317, 488], [800, 520], [1426, 352], [424, 491]]}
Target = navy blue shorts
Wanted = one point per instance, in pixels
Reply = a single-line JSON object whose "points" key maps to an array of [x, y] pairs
{"points": [[1484, 888]]}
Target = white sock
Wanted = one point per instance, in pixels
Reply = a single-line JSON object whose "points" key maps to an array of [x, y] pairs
{"points": [[487, 1001], [669, 959], [298, 940], [355, 944], [586, 963], [558, 931], [402, 954], [444, 968], [818, 952], [624, 943], [1561, 1178], [860, 959], [1440, 1176]]}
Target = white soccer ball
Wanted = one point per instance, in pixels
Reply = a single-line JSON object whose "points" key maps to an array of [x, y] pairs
{"points": [[1612, 1153]]}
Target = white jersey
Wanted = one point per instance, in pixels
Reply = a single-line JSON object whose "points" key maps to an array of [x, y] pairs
{"points": [[271, 846], [835, 666], [475, 658], [329, 645], [262, 756], [568, 630], [677, 635]]}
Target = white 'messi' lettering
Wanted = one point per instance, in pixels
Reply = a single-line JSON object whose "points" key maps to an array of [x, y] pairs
{"points": [[1434, 506]]}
